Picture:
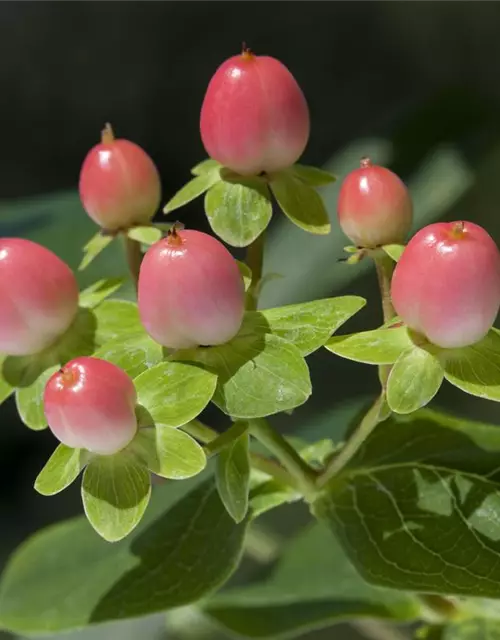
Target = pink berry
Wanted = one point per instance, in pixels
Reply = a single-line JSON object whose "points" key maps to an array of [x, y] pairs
{"points": [[446, 284], [90, 404], [119, 184], [374, 206], [38, 297], [254, 116], [190, 291]]}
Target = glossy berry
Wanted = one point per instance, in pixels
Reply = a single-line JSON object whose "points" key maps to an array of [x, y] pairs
{"points": [[119, 184], [38, 297], [190, 291], [90, 404], [374, 206], [446, 284], [254, 116]]}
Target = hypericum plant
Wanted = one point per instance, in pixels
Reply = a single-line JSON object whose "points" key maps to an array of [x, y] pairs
{"points": [[411, 496]]}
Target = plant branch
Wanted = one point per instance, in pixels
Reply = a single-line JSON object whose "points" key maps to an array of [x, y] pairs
{"points": [[352, 446], [384, 267], [255, 261], [224, 439], [297, 467], [209, 436], [134, 258]]}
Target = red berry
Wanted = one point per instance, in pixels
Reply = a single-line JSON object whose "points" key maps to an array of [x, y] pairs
{"points": [[190, 291], [38, 297], [119, 184], [90, 404], [254, 116], [374, 206], [446, 284]]}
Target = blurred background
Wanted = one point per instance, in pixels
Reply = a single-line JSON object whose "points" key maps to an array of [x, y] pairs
{"points": [[414, 85]]}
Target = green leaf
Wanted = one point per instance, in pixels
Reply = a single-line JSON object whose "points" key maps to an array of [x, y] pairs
{"points": [[115, 318], [268, 495], [288, 604], [414, 380], [29, 401], [66, 577], [205, 166], [246, 273], [475, 369], [115, 492], [394, 251], [238, 212], [416, 509], [6, 389], [191, 190], [380, 346], [258, 375], [134, 353], [94, 247], [313, 176], [61, 469], [309, 324], [99, 291], [233, 477], [173, 393], [145, 235], [300, 202], [169, 452]]}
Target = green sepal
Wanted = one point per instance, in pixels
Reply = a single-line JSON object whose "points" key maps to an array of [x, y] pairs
{"points": [[192, 189], [94, 246], [61, 469]]}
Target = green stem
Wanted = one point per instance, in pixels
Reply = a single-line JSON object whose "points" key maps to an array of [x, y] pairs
{"points": [[134, 258], [236, 430], [286, 454], [384, 267], [209, 436], [352, 446], [255, 261]]}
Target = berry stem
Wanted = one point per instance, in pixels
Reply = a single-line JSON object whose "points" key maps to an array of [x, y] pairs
{"points": [[384, 267], [255, 261], [304, 475], [351, 447], [134, 258]]}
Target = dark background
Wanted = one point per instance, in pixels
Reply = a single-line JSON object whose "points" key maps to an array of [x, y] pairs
{"points": [[416, 85]]}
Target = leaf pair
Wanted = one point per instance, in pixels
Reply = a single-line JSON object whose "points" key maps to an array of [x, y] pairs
{"points": [[420, 368], [116, 489], [239, 208]]}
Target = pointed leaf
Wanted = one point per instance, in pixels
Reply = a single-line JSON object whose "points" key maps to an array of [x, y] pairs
{"points": [[115, 318], [258, 376], [380, 346], [270, 495], [6, 389], [99, 291], [145, 235], [233, 477], [115, 493], [313, 176], [194, 188], [416, 508], [414, 380], [287, 604], [169, 452], [246, 273], [309, 324], [29, 401], [475, 369], [61, 469], [134, 353], [173, 393], [238, 212], [205, 166], [394, 251], [94, 247], [300, 203], [66, 577]]}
